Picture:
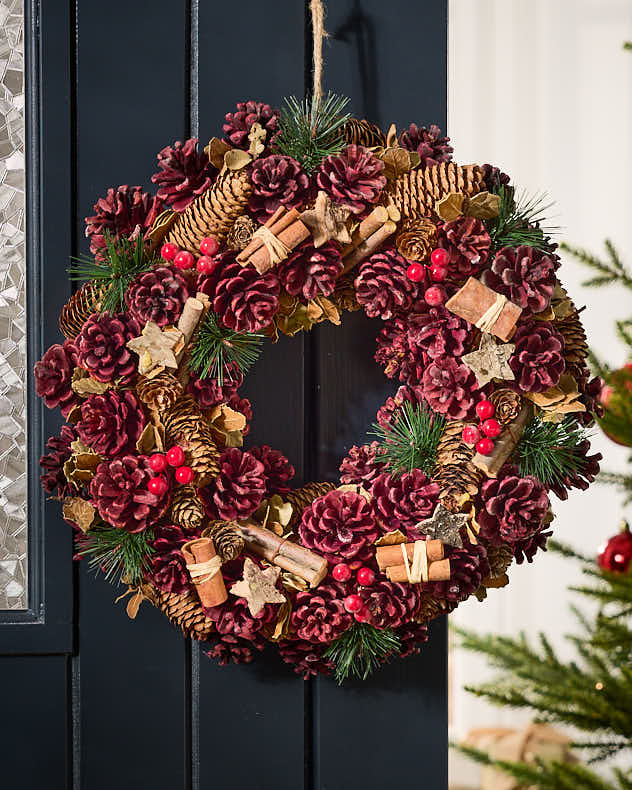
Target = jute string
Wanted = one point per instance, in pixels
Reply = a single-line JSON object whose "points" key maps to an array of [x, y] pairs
{"points": [[319, 33], [201, 572], [487, 321], [276, 248], [418, 571]]}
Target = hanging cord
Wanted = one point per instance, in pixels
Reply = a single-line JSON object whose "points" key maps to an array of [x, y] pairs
{"points": [[319, 33]]}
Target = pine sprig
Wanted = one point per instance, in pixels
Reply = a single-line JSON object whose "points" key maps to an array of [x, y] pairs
{"points": [[361, 649], [217, 348], [410, 440], [609, 270], [118, 554], [548, 450], [520, 220], [309, 130], [123, 261]]}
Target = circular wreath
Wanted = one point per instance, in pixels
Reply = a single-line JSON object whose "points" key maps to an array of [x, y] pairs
{"points": [[290, 219]]}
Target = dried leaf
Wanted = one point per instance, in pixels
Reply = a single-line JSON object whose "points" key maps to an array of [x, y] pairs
{"points": [[83, 384], [397, 161], [391, 136], [355, 489], [216, 150], [274, 514], [450, 207], [558, 401], [293, 582], [329, 309], [282, 625], [79, 512], [484, 205], [82, 464], [227, 425], [162, 225], [393, 538], [152, 439], [257, 136], [236, 159]]}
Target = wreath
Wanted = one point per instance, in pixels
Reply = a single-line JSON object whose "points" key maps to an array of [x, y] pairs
{"points": [[291, 219]]}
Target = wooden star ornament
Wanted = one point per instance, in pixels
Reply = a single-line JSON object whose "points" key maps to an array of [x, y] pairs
{"points": [[491, 361], [444, 526], [156, 347], [258, 587], [327, 221]]}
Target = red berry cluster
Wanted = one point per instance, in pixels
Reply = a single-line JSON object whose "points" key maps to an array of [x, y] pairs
{"points": [[354, 603], [487, 430], [159, 462], [438, 268], [185, 260]]}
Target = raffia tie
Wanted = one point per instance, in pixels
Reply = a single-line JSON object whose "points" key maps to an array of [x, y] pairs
{"points": [[488, 320], [418, 571], [201, 572], [276, 248]]}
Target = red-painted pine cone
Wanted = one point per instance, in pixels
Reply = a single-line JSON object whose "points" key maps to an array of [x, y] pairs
{"points": [[352, 178], [184, 173], [382, 285], [111, 423], [157, 295], [102, 347], [400, 502]]}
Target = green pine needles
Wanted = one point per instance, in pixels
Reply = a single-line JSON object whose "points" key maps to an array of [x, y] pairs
{"points": [[218, 348], [411, 440], [608, 270], [360, 650], [118, 554], [123, 261], [309, 130], [520, 220], [548, 450]]}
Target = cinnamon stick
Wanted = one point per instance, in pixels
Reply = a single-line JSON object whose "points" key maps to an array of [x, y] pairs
{"points": [[437, 572], [369, 246], [288, 229], [256, 243], [283, 553], [366, 228], [205, 574], [473, 301], [388, 556]]}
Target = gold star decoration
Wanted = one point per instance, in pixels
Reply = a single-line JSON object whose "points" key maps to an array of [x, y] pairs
{"points": [[156, 347], [491, 361], [444, 526], [327, 221], [258, 587]]}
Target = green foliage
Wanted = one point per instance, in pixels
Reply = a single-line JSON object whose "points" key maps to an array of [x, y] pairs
{"points": [[309, 130], [520, 220], [217, 347], [548, 450], [608, 270], [360, 650], [118, 554], [411, 440]]}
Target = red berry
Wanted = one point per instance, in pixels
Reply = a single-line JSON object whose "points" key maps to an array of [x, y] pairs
{"points": [[366, 576], [157, 486], [175, 456], [438, 272], [204, 265], [485, 409], [470, 434], [184, 260], [415, 272], [158, 462], [485, 446], [353, 603], [169, 250], [185, 475], [434, 296], [363, 615], [209, 246], [491, 428], [341, 572], [440, 256]]}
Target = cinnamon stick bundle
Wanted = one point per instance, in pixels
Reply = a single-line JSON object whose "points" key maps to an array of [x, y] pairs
{"points": [[390, 560], [437, 572], [387, 556], [203, 565], [368, 237], [287, 232], [283, 553], [489, 311]]}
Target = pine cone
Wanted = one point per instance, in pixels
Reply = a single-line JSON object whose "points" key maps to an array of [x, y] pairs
{"points": [[514, 507], [277, 470], [499, 558], [468, 568], [229, 649], [411, 636], [208, 392], [344, 295], [213, 213], [157, 295], [53, 479], [417, 239], [524, 275], [449, 387], [168, 567], [102, 349], [393, 350], [239, 487], [80, 307], [202, 455], [393, 404], [183, 610], [455, 473], [183, 420], [382, 285], [276, 181], [357, 132], [319, 615], [468, 245], [494, 177], [245, 300], [241, 233], [352, 178], [429, 608], [187, 510], [184, 174], [239, 123], [434, 333], [306, 658], [53, 376], [301, 498], [415, 193], [361, 465], [429, 143], [507, 405], [575, 344], [308, 271], [401, 502], [159, 393], [390, 604], [538, 361], [111, 423], [227, 539]]}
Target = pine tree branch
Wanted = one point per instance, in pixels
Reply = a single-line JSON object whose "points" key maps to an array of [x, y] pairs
{"points": [[608, 271], [411, 439]]}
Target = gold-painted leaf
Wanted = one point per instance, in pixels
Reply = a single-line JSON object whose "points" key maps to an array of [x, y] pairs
{"points": [[79, 512], [450, 207], [484, 205]]}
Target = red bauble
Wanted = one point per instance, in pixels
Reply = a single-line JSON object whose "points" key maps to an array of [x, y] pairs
{"points": [[158, 462], [204, 265], [438, 272], [209, 246], [184, 260], [363, 615], [415, 272], [353, 603], [175, 456], [470, 434], [434, 296], [491, 428], [184, 475], [485, 446], [366, 576], [440, 256], [485, 409], [157, 486], [616, 555], [169, 250], [341, 572]]}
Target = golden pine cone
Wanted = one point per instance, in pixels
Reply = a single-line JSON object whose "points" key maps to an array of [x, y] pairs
{"points": [[344, 295], [417, 238], [415, 193], [202, 456], [78, 308], [429, 608], [455, 473], [575, 342], [183, 610], [499, 558], [183, 419], [240, 235], [213, 213], [186, 509], [160, 392], [507, 405], [357, 132], [227, 539], [300, 498]]}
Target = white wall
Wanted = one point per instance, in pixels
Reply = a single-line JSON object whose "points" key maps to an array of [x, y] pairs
{"points": [[542, 88]]}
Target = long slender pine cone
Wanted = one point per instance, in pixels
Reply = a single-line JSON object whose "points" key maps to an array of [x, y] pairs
{"points": [[183, 610], [300, 498], [456, 474], [185, 426], [415, 193], [575, 343], [357, 132], [212, 213], [78, 308], [184, 418]]}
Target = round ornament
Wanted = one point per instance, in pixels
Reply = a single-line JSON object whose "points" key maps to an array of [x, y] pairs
{"points": [[616, 555]]}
